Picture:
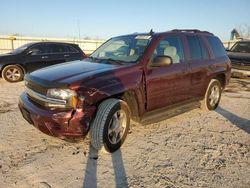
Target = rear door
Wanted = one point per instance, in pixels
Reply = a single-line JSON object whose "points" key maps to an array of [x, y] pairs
{"points": [[72, 53], [56, 54], [199, 61], [169, 84]]}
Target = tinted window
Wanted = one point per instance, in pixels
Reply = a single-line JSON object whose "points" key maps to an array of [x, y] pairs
{"points": [[170, 46], [56, 48], [194, 48], [243, 47], [217, 47], [38, 49], [71, 49], [204, 50]]}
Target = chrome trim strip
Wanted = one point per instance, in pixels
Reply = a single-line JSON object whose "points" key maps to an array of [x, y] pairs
{"points": [[44, 98]]}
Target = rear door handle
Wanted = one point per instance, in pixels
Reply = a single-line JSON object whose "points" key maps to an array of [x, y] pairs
{"points": [[66, 55], [185, 72], [44, 57]]}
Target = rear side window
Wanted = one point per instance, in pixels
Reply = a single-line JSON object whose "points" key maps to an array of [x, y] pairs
{"points": [[216, 46], [56, 48], [197, 49]]}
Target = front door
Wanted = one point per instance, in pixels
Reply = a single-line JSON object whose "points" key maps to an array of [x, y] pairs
{"points": [[35, 57], [167, 85]]}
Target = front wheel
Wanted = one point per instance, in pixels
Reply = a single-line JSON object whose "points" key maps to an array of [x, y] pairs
{"points": [[12, 73], [110, 126], [212, 96]]}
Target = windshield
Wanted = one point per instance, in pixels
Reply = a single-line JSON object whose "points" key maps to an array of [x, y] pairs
{"points": [[241, 47], [126, 49], [20, 49]]}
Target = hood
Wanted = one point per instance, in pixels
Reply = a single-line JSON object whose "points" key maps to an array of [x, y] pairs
{"points": [[6, 57], [70, 72]]}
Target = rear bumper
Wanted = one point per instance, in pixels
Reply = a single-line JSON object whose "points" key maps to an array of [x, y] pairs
{"points": [[58, 123]]}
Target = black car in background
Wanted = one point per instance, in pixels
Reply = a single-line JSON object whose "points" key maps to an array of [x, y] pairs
{"points": [[240, 58], [33, 56]]}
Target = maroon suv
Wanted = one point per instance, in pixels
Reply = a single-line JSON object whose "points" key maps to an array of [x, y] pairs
{"points": [[128, 77]]}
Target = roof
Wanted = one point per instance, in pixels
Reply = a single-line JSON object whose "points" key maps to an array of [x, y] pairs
{"points": [[49, 42], [194, 31]]}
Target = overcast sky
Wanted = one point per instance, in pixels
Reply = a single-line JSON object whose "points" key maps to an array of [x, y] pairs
{"points": [[107, 18]]}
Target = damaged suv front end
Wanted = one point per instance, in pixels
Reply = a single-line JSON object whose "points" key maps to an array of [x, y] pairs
{"points": [[55, 111]]}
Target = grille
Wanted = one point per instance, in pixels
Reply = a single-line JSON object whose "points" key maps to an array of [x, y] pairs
{"points": [[33, 99], [31, 86], [35, 87]]}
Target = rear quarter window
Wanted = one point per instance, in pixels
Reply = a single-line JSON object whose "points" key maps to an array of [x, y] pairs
{"points": [[70, 49], [216, 46]]}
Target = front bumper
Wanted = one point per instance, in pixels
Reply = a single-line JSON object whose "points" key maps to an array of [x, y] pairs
{"points": [[59, 123]]}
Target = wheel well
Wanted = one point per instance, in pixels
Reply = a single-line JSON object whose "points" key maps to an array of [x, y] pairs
{"points": [[20, 66], [129, 98], [222, 79]]}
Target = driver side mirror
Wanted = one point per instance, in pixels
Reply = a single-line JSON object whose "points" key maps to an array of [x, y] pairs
{"points": [[29, 52], [162, 61]]}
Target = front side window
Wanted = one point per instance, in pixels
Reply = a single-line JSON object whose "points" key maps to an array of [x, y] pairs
{"points": [[38, 50], [127, 49], [243, 47], [170, 46]]}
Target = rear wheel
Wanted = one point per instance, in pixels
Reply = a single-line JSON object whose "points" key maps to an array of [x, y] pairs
{"points": [[12, 73], [213, 95], [110, 126]]}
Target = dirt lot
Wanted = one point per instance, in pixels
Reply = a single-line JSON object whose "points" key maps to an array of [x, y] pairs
{"points": [[194, 149]]}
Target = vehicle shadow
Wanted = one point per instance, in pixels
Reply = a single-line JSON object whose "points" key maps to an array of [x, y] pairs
{"points": [[240, 122], [90, 176]]}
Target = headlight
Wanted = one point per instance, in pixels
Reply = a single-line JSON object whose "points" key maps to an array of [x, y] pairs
{"points": [[67, 97]]}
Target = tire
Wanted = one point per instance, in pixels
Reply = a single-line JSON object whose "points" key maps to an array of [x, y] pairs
{"points": [[212, 96], [12, 73], [110, 126]]}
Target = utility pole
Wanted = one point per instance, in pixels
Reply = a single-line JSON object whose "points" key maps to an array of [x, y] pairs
{"points": [[79, 29]]}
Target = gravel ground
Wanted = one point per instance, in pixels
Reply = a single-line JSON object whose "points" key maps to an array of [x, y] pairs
{"points": [[194, 149]]}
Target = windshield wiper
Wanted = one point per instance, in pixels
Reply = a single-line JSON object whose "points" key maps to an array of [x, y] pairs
{"points": [[93, 58], [119, 62]]}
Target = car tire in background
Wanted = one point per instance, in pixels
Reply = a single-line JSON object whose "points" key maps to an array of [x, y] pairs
{"points": [[212, 96], [110, 126], [12, 73]]}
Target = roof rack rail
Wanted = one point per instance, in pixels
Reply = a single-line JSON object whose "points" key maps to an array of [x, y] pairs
{"points": [[191, 31]]}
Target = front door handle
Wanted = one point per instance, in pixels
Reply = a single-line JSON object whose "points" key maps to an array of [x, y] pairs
{"points": [[66, 55], [44, 57], [211, 66]]}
